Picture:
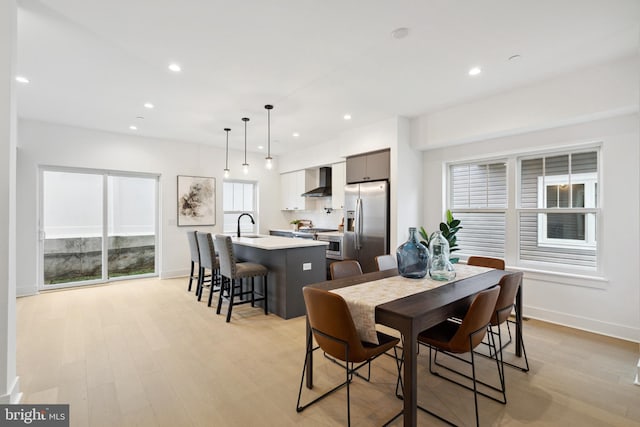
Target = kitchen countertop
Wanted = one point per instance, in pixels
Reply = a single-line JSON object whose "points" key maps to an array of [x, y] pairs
{"points": [[283, 230], [274, 242], [331, 233]]}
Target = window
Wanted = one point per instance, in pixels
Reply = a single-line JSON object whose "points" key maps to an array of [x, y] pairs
{"points": [[239, 197], [478, 197], [558, 208]]}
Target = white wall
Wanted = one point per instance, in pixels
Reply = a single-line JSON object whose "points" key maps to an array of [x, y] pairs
{"points": [[405, 167], [611, 306], [605, 90], [49, 144], [9, 384]]}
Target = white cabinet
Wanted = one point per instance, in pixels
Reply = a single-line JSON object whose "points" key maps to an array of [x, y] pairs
{"points": [[293, 184], [338, 181]]}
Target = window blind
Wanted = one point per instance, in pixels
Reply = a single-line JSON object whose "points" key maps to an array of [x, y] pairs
{"points": [[478, 197]]}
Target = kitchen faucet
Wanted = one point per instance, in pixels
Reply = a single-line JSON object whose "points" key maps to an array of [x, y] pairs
{"points": [[241, 215]]}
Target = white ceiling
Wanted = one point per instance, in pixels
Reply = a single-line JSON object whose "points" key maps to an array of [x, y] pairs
{"points": [[94, 63]]}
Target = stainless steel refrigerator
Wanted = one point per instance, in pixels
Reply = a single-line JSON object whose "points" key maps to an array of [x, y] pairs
{"points": [[366, 233]]}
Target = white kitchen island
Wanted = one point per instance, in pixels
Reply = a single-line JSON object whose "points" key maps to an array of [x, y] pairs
{"points": [[292, 264]]}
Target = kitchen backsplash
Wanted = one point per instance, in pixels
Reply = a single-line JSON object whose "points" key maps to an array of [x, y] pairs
{"points": [[318, 216]]}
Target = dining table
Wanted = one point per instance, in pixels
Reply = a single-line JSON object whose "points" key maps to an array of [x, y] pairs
{"points": [[412, 314]]}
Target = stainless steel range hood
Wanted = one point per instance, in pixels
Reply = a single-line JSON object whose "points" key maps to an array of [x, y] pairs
{"points": [[324, 188]]}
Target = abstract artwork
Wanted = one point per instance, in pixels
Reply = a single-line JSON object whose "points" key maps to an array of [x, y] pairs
{"points": [[196, 200]]}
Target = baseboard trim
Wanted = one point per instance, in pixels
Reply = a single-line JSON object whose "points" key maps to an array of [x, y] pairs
{"points": [[24, 291], [595, 326], [13, 396], [174, 274]]}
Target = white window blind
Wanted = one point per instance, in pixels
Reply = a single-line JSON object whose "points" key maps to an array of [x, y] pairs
{"points": [[239, 197], [558, 208], [478, 197]]}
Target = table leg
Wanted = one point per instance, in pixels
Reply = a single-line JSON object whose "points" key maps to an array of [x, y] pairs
{"points": [[310, 358], [519, 321], [410, 378]]}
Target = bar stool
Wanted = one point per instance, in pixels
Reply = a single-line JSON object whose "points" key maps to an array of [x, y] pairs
{"points": [[208, 260], [232, 274], [195, 258]]}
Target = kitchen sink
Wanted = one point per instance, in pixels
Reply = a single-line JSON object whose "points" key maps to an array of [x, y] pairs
{"points": [[253, 236]]}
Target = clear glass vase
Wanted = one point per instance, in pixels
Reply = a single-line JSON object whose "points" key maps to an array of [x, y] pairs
{"points": [[441, 268], [413, 257]]}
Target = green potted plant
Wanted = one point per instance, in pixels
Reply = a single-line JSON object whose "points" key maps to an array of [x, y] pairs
{"points": [[449, 230]]}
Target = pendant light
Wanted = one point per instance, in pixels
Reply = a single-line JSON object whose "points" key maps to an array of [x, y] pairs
{"points": [[245, 165], [269, 163], [226, 162]]}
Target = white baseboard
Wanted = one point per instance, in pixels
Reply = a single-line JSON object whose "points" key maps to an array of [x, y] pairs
{"points": [[13, 395], [26, 291], [174, 274], [584, 323]]}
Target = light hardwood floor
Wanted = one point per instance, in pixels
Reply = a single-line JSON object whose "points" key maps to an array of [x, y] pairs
{"points": [[146, 353]]}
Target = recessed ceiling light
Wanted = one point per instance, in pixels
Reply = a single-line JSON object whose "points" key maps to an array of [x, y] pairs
{"points": [[347, 116], [260, 147], [514, 57], [175, 67], [140, 117], [475, 71], [148, 105], [296, 134], [22, 79], [133, 127], [400, 33]]}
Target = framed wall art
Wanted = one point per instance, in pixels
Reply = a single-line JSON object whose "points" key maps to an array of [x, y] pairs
{"points": [[196, 200]]}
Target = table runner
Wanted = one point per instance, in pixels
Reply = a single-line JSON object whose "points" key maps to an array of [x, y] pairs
{"points": [[362, 299]]}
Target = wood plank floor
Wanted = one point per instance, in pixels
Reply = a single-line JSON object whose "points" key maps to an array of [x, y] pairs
{"points": [[146, 353]]}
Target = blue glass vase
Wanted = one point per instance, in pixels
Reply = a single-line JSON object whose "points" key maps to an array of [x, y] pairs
{"points": [[413, 257], [441, 268]]}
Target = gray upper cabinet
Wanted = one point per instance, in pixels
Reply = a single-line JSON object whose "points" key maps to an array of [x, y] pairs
{"points": [[368, 167]]}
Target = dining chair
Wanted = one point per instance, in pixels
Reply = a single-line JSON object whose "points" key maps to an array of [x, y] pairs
{"points": [[482, 261], [232, 275], [453, 338], [386, 262], [333, 329], [195, 258], [208, 261], [346, 268], [506, 303]]}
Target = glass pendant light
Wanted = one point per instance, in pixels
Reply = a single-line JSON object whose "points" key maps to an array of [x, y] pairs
{"points": [[226, 162], [269, 163], [245, 165]]}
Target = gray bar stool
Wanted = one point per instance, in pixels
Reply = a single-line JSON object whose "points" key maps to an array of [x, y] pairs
{"points": [[195, 258], [208, 260], [232, 274]]}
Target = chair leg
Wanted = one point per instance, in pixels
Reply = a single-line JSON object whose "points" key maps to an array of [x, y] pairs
{"points": [[191, 275], [232, 285], [223, 287], [253, 292], [266, 298], [475, 388]]}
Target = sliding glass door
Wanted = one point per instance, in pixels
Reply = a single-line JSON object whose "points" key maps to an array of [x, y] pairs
{"points": [[96, 226]]}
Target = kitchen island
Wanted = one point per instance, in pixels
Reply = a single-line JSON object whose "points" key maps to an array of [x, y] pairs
{"points": [[292, 264]]}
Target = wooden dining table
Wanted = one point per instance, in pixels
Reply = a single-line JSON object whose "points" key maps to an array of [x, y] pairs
{"points": [[412, 314]]}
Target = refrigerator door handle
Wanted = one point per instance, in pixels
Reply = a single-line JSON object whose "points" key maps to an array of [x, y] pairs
{"points": [[358, 223]]}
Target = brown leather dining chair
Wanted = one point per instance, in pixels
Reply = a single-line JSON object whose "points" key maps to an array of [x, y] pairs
{"points": [[506, 303], [458, 338], [482, 261], [233, 273], [346, 268], [333, 329], [386, 262]]}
